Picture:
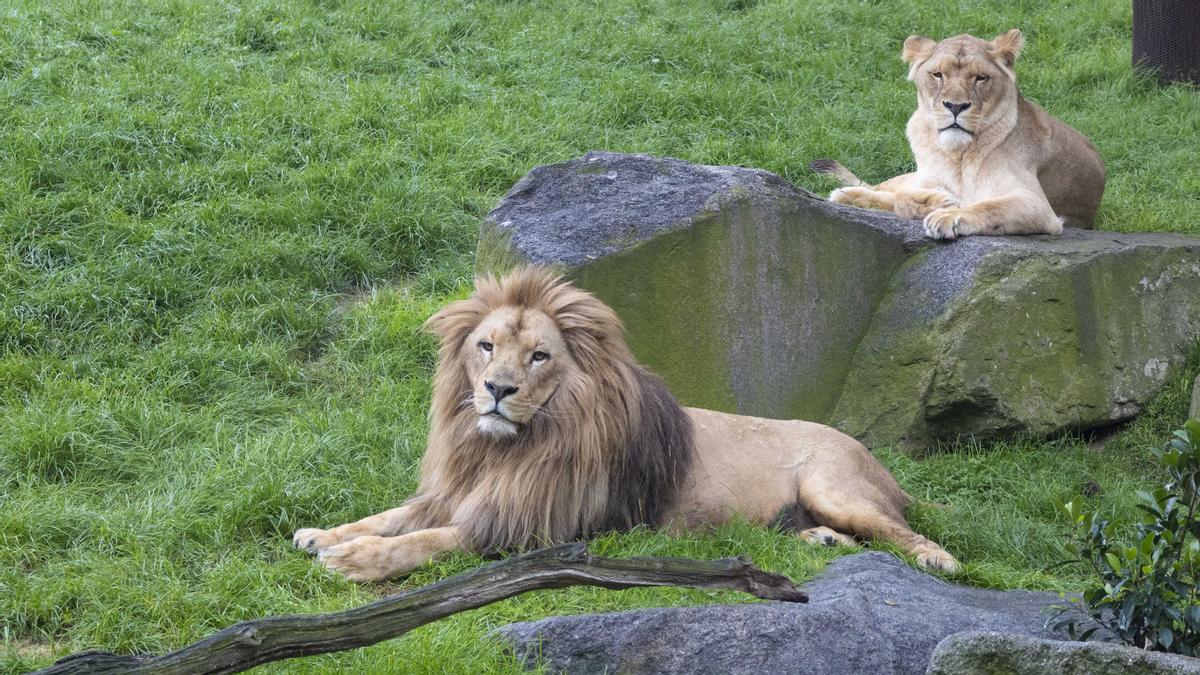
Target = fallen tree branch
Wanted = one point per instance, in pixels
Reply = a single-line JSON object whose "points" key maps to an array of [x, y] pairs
{"points": [[251, 643]]}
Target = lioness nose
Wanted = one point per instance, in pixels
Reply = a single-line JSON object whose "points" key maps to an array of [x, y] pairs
{"points": [[499, 391], [956, 108]]}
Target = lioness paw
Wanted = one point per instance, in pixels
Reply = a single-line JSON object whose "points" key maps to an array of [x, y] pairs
{"points": [[949, 223], [360, 560]]}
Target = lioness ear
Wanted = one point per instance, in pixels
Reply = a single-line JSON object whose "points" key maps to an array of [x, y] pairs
{"points": [[1007, 46], [916, 50]]}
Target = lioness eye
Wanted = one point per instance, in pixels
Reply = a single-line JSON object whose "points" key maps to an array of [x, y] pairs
{"points": [[485, 345], [538, 357], [937, 75], [981, 78]]}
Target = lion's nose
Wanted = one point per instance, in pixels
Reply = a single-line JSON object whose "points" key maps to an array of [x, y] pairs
{"points": [[956, 108], [499, 391]]}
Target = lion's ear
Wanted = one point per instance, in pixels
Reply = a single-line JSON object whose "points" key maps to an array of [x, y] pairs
{"points": [[1007, 46], [916, 50], [454, 322]]}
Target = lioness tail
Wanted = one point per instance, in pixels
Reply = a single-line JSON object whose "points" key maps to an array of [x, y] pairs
{"points": [[834, 168]]}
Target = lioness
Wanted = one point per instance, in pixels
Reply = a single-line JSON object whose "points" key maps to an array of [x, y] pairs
{"points": [[545, 429], [988, 160]]}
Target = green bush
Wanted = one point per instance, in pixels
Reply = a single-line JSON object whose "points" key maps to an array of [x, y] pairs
{"points": [[1146, 592]]}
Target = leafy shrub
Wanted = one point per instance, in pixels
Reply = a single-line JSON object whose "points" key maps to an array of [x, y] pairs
{"points": [[1146, 592]]}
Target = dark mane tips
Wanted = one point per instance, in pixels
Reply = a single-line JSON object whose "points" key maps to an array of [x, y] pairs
{"points": [[658, 454]]}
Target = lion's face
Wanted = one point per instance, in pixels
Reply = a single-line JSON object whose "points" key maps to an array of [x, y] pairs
{"points": [[516, 359], [964, 84]]}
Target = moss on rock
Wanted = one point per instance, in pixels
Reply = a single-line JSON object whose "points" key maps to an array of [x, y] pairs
{"points": [[749, 295]]}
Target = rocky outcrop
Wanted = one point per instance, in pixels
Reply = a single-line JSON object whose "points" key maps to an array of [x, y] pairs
{"points": [[750, 295], [867, 613], [985, 653]]}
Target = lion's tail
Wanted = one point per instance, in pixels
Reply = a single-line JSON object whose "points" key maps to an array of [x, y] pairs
{"points": [[834, 168]]}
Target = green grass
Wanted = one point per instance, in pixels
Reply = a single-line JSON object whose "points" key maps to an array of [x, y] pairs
{"points": [[221, 227]]}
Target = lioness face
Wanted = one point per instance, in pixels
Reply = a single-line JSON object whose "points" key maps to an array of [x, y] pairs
{"points": [[516, 359], [964, 84]]}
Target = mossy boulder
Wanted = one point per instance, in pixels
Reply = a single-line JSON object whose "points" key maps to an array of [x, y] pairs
{"points": [[989, 652], [751, 295]]}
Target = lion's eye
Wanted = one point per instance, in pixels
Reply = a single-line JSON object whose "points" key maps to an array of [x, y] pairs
{"points": [[938, 75], [981, 78], [485, 345], [538, 357]]}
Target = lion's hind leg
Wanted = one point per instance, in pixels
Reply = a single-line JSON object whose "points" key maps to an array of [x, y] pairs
{"points": [[910, 204], [864, 197], [869, 505], [827, 536], [796, 519], [855, 191], [906, 195], [868, 521]]}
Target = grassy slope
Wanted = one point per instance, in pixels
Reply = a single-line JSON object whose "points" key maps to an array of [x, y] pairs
{"points": [[196, 200]]}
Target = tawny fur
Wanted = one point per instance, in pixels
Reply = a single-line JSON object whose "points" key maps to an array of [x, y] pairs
{"points": [[587, 440], [1008, 168]]}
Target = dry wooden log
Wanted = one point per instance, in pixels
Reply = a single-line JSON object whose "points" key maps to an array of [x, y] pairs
{"points": [[251, 643]]}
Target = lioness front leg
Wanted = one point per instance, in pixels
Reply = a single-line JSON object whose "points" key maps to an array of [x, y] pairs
{"points": [[386, 524], [1018, 213], [373, 558]]}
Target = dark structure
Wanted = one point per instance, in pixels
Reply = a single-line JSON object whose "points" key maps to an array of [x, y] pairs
{"points": [[1166, 38]]}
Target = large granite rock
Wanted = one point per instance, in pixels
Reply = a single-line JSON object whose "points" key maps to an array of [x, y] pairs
{"points": [[750, 295], [987, 653], [867, 613]]}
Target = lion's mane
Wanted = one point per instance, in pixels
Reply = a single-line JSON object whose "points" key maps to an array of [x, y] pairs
{"points": [[609, 450]]}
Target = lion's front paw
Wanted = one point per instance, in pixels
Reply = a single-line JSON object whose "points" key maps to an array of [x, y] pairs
{"points": [[938, 559], [312, 539], [950, 223], [361, 560]]}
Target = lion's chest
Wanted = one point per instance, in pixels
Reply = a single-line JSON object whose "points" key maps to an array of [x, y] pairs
{"points": [[969, 181]]}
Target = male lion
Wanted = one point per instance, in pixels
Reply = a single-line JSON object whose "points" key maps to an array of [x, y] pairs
{"points": [[545, 429], [988, 160]]}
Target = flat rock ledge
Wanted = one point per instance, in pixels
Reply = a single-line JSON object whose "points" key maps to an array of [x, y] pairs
{"points": [[867, 613], [750, 295], [986, 653]]}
